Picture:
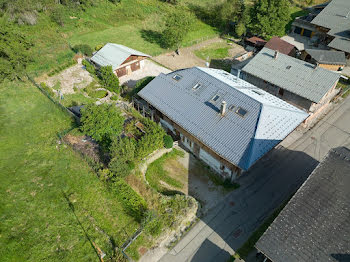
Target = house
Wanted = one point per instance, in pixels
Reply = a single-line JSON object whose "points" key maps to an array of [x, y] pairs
{"points": [[333, 24], [328, 59], [315, 224], [255, 42], [123, 60], [302, 25], [224, 121], [302, 84], [277, 44]]}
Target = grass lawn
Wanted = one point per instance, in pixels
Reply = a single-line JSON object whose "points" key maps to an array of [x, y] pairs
{"points": [[213, 51], [52, 205], [134, 23], [158, 177]]}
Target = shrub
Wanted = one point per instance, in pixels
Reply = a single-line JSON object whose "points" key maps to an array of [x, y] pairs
{"points": [[132, 202], [102, 122], [141, 84], [47, 89], [118, 167], [114, 97], [152, 223], [98, 94], [123, 147], [83, 48], [98, 47], [89, 67], [108, 79], [168, 141]]}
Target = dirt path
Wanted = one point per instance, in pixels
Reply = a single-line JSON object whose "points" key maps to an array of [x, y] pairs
{"points": [[187, 58]]}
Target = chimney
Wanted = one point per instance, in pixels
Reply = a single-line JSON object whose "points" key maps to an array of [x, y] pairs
{"points": [[238, 72], [223, 108], [276, 55]]}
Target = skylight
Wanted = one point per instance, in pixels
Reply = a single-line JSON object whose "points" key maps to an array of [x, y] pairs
{"points": [[177, 77], [196, 86], [231, 107], [241, 112], [215, 98]]}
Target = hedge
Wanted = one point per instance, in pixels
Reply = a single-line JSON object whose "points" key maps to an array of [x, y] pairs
{"points": [[132, 202]]}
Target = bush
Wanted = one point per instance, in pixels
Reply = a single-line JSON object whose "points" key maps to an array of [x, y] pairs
{"points": [[102, 122], [123, 147], [114, 97], [168, 141], [83, 48], [98, 94], [108, 79], [141, 84], [118, 167], [152, 223], [132, 202], [48, 89], [89, 67]]}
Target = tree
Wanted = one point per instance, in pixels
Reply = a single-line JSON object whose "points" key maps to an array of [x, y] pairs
{"points": [[240, 29], [119, 167], [14, 52], [123, 147], [108, 79], [229, 11], [177, 25], [269, 18], [102, 122]]}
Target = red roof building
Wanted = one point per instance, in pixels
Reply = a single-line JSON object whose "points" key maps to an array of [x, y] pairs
{"points": [[281, 46]]}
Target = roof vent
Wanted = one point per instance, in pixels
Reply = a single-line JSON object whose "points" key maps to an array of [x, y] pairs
{"points": [[289, 67], [177, 77], [223, 108], [275, 55]]}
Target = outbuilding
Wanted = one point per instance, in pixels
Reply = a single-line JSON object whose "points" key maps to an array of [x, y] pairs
{"points": [[124, 60]]}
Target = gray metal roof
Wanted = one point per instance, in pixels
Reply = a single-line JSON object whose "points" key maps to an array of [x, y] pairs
{"points": [[294, 75], [114, 55], [239, 140], [336, 17], [327, 56], [315, 224]]}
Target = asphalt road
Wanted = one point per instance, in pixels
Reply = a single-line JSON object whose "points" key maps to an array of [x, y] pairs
{"points": [[264, 188]]}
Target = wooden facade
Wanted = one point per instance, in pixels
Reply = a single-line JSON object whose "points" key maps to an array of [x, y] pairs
{"points": [[131, 64]]}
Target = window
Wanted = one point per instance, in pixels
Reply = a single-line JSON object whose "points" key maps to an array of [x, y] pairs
{"points": [[241, 112], [196, 86], [281, 92], [231, 107], [177, 77], [215, 98]]}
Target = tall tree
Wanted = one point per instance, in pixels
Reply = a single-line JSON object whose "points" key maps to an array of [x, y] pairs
{"points": [[269, 18], [177, 25], [230, 11]]}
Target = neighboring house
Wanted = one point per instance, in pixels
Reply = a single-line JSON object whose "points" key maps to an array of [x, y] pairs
{"points": [[328, 59], [277, 44], [302, 25], [333, 22], [223, 120], [123, 60], [255, 42], [300, 83], [315, 224]]}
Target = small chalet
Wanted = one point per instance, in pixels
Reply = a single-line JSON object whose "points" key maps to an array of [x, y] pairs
{"points": [[123, 60], [329, 59], [223, 120], [315, 224], [255, 42], [277, 44], [302, 84]]}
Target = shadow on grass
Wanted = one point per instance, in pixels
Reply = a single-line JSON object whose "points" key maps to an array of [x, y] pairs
{"points": [[153, 37]]}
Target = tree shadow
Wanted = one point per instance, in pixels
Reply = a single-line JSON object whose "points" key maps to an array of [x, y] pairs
{"points": [[154, 37], [208, 248]]}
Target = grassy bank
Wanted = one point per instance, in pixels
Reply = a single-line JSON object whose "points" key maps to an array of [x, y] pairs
{"points": [[53, 207]]}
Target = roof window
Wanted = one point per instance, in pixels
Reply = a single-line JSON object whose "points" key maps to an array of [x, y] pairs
{"points": [[215, 98], [177, 77], [196, 86], [241, 112]]}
